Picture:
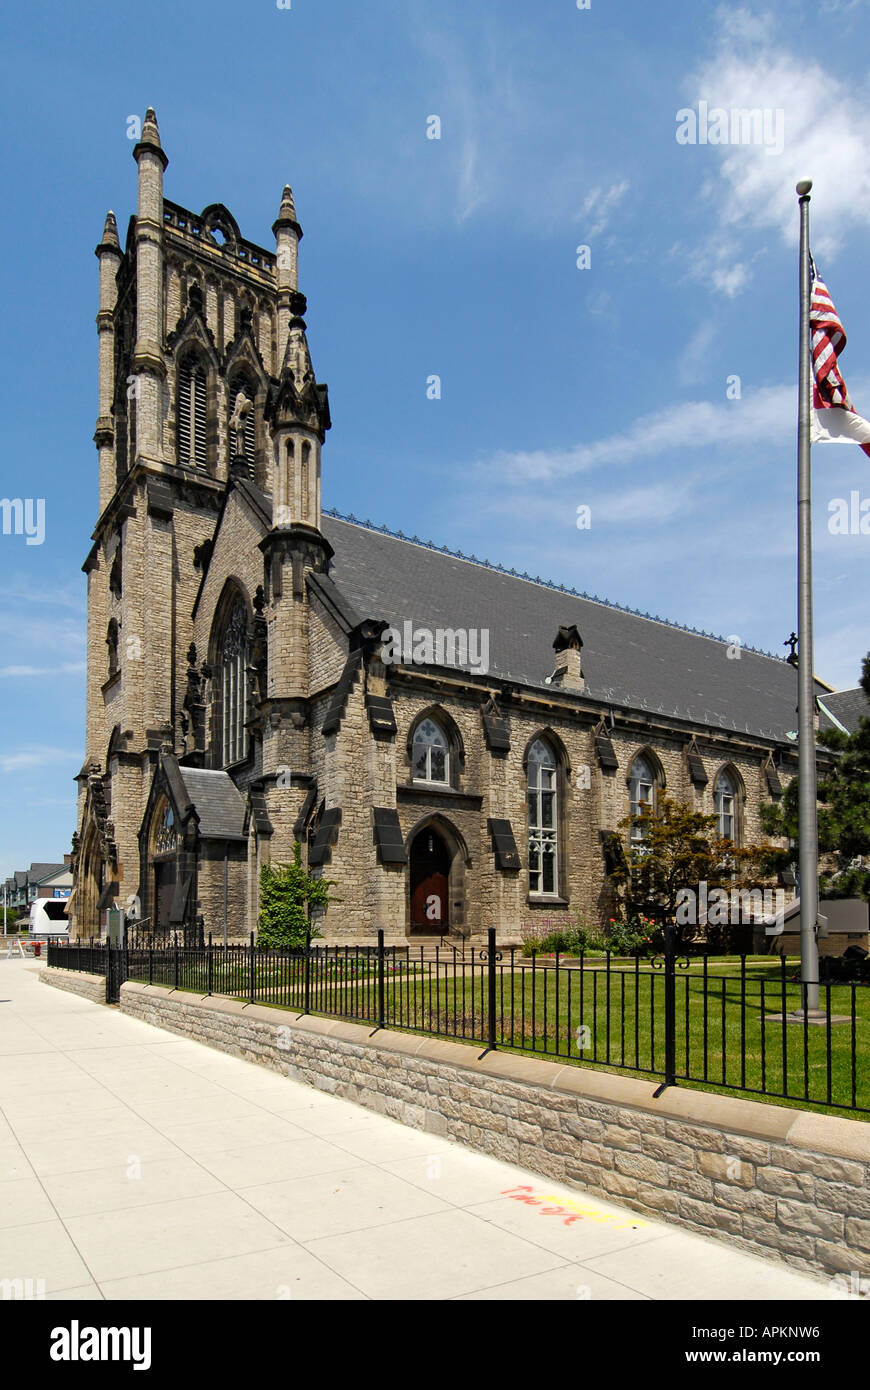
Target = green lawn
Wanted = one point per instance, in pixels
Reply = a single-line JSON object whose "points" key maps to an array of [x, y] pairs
{"points": [[724, 1039], [624, 1019]]}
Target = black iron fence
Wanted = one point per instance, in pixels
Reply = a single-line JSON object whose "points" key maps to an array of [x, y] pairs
{"points": [[739, 1024], [91, 956]]}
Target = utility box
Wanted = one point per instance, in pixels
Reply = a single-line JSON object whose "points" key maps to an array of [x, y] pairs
{"points": [[115, 926]]}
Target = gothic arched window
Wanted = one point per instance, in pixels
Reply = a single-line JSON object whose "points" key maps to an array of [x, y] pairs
{"points": [[115, 574], [166, 832], [192, 414], [233, 660], [543, 822], [725, 805], [641, 793], [112, 644], [431, 753]]}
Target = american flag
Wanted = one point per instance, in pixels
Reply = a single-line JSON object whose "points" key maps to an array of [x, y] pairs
{"points": [[836, 420]]}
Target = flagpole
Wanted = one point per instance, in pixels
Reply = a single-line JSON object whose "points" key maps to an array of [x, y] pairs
{"points": [[808, 845]]}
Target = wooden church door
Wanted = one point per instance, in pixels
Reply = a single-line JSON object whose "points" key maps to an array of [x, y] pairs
{"points": [[430, 868]]}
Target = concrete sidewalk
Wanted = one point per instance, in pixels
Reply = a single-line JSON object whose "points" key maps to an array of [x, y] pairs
{"points": [[134, 1164]]}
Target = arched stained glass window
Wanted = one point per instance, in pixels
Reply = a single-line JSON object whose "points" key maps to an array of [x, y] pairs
{"points": [[725, 806], [112, 644], [431, 753], [234, 659], [543, 822], [642, 791], [166, 834]]}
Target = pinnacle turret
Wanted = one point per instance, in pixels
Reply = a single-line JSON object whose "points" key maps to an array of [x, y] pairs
{"points": [[150, 129], [287, 214], [150, 138], [109, 240]]}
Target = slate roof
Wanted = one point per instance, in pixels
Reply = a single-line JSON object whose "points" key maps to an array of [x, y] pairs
{"points": [[628, 660], [37, 872], [218, 803], [62, 875], [847, 707]]}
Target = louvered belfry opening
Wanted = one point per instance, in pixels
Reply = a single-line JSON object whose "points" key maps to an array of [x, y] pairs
{"points": [[192, 414]]}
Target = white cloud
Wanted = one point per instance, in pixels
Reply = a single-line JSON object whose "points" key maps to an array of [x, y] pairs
{"points": [[744, 26], [730, 282], [63, 668], [503, 149], [691, 364], [599, 206], [36, 755], [650, 505], [826, 136], [763, 417], [69, 596]]}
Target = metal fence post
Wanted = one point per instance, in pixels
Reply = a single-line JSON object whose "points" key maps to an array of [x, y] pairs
{"points": [[381, 1005], [307, 971], [670, 1007], [209, 959], [491, 981], [151, 960], [251, 990], [176, 962], [125, 961]]}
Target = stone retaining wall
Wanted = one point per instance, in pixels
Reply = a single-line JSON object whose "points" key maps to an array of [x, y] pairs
{"points": [[91, 987], [769, 1179]]}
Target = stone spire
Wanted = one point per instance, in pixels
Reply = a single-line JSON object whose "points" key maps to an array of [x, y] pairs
{"points": [[108, 253], [110, 235], [287, 234], [150, 137], [287, 214], [148, 363]]}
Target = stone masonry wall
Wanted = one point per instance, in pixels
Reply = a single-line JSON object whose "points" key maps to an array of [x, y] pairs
{"points": [[768, 1179], [349, 773], [91, 987]]}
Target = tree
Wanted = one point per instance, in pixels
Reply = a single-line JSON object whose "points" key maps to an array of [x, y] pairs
{"points": [[843, 809], [287, 893], [681, 848]]}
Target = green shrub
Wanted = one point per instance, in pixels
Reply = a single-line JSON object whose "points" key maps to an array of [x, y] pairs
{"points": [[287, 891], [631, 937], [568, 938], [586, 938]]}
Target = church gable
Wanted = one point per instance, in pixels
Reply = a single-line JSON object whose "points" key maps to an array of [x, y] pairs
{"points": [[233, 554]]}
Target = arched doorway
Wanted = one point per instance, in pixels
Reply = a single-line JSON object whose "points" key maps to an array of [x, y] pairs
{"points": [[430, 882], [90, 881]]}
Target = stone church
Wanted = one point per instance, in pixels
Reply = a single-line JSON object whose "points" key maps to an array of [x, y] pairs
{"points": [[453, 744]]}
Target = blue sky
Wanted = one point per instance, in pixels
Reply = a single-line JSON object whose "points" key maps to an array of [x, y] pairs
{"points": [[457, 257]]}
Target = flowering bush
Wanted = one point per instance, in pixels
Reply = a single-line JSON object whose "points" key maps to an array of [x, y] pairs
{"points": [[631, 937]]}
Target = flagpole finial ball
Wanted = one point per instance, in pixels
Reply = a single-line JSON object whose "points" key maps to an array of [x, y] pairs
{"points": [[804, 187]]}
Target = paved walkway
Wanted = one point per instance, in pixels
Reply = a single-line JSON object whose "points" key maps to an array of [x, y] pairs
{"points": [[134, 1164]]}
